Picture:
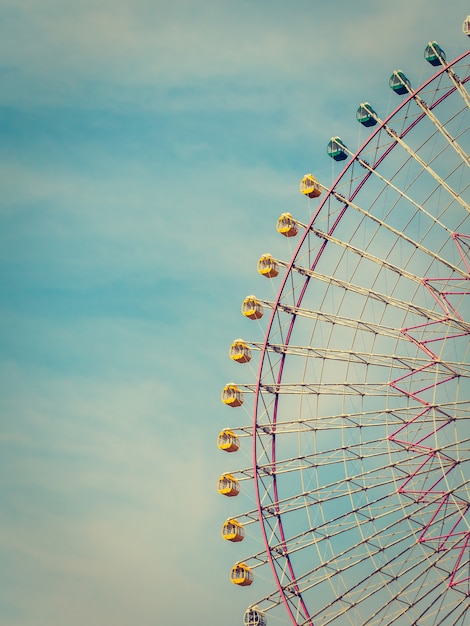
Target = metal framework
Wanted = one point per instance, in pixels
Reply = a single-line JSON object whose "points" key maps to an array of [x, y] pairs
{"points": [[361, 430]]}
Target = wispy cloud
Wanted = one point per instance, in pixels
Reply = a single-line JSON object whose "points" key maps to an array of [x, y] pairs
{"points": [[62, 52]]}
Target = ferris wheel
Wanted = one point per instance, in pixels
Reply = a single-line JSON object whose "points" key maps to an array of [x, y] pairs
{"points": [[361, 425]]}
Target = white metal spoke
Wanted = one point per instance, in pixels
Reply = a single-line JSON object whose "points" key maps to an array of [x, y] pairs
{"points": [[400, 234], [357, 323], [442, 129], [366, 255], [426, 167], [458, 85], [376, 295], [455, 196], [350, 356]]}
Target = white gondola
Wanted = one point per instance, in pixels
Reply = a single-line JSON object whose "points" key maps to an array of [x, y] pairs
{"points": [[254, 617], [466, 26]]}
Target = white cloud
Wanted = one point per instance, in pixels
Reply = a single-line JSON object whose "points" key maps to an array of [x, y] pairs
{"points": [[105, 491], [91, 230], [74, 52]]}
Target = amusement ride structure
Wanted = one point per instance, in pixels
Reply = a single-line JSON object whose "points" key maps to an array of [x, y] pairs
{"points": [[360, 422]]}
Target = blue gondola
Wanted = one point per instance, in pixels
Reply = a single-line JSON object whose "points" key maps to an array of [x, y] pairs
{"points": [[366, 115], [434, 54], [336, 149], [399, 83]]}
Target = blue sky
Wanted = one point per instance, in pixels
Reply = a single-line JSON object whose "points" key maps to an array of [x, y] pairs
{"points": [[146, 151]]}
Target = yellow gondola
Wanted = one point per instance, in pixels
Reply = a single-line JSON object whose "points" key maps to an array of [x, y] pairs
{"points": [[232, 396], [252, 308], [310, 187], [233, 531], [228, 441], [240, 352], [286, 225], [268, 267], [228, 486], [241, 575]]}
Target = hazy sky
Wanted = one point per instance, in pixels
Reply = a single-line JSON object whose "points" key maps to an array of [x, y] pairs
{"points": [[147, 148]]}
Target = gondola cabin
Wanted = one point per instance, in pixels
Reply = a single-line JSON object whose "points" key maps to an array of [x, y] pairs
{"points": [[399, 83], [232, 396], [466, 26], [228, 486], [287, 226], [336, 149], [254, 617], [233, 531], [240, 352], [241, 575], [252, 308], [310, 187], [268, 267], [228, 441], [434, 54], [366, 115]]}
